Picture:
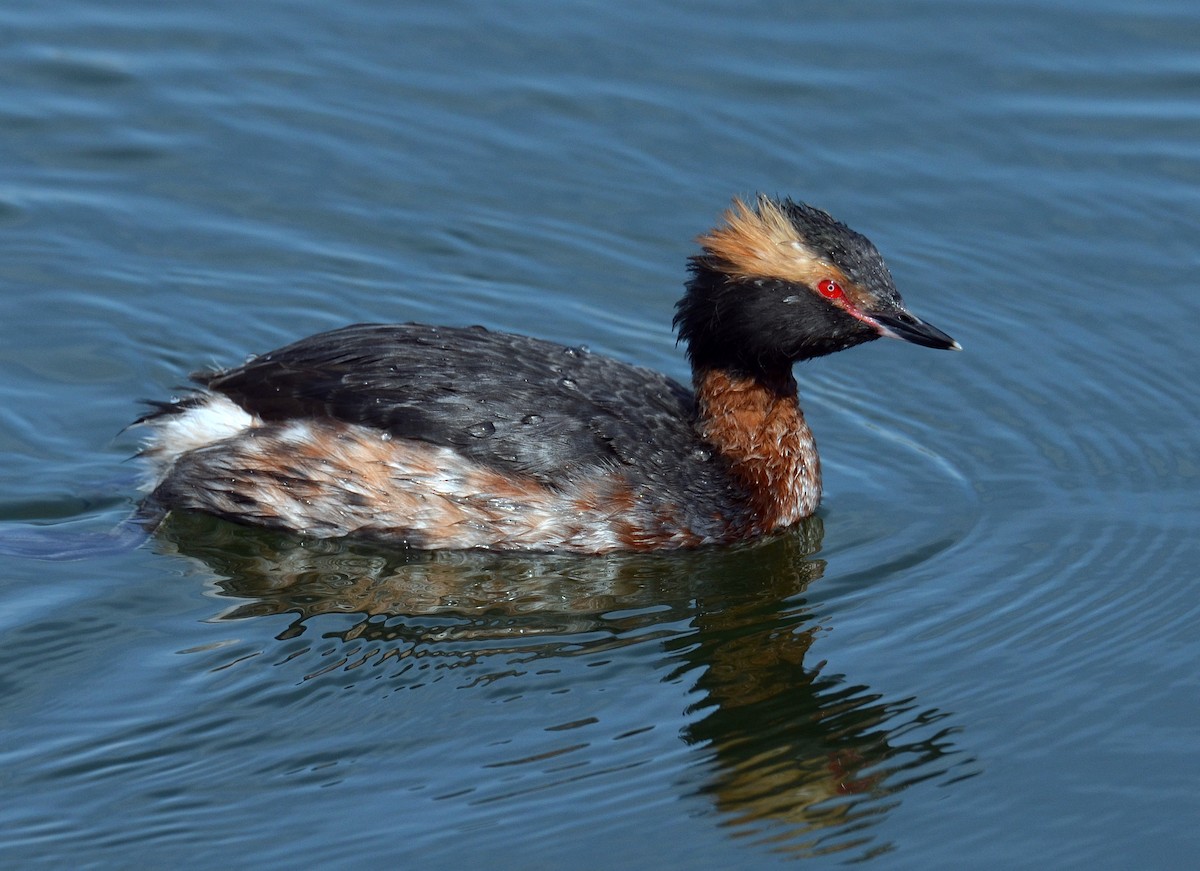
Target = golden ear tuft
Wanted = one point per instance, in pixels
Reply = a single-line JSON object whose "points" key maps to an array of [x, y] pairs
{"points": [[761, 242]]}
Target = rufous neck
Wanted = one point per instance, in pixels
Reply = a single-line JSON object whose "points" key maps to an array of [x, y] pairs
{"points": [[756, 423]]}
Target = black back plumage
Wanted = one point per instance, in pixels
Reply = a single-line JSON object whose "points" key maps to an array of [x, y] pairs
{"points": [[511, 402]]}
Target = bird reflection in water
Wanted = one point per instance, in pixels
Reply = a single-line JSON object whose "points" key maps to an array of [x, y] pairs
{"points": [[792, 756]]}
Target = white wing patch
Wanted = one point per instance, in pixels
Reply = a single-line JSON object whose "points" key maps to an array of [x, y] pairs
{"points": [[171, 435]]}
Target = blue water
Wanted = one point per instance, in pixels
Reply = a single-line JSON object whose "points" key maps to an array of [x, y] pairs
{"points": [[984, 651]]}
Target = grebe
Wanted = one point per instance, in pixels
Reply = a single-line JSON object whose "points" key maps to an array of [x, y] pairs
{"points": [[446, 437]]}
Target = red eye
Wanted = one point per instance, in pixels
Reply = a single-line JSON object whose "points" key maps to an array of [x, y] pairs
{"points": [[830, 289]]}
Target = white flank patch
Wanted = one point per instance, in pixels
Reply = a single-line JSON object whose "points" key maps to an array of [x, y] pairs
{"points": [[172, 435]]}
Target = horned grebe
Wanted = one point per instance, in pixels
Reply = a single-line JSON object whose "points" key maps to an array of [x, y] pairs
{"points": [[446, 437]]}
